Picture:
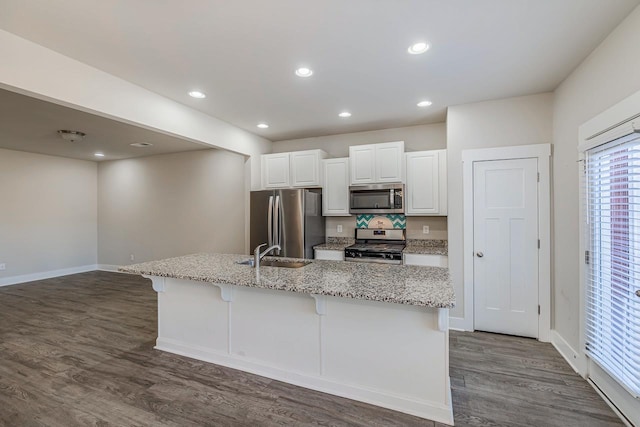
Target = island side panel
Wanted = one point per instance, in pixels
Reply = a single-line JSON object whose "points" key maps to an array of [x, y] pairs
{"points": [[278, 328], [192, 315], [389, 347]]}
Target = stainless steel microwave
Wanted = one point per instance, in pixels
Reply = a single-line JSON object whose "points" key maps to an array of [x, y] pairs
{"points": [[376, 199]]}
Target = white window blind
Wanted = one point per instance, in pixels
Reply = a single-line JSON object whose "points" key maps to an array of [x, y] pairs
{"points": [[613, 270]]}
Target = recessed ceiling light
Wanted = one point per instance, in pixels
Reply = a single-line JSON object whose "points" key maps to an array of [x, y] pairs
{"points": [[263, 125], [197, 94], [345, 114], [304, 72], [424, 103], [99, 154], [141, 144], [418, 48]]}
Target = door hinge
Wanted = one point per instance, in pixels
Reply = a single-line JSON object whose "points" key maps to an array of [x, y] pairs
{"points": [[538, 243], [538, 176], [538, 310], [586, 257]]}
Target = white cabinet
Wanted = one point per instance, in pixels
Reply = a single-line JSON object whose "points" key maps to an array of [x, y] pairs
{"points": [[328, 254], [426, 187], [335, 191], [426, 260], [275, 170], [377, 163], [294, 169]]}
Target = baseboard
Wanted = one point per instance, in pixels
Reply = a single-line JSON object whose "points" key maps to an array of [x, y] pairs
{"points": [[457, 324], [111, 268], [421, 408], [576, 360], [14, 280]]}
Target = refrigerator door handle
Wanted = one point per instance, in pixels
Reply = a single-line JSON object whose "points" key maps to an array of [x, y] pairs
{"points": [[276, 221], [270, 221]]}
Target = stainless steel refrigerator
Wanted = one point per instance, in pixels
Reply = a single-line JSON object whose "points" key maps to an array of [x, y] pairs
{"points": [[289, 218]]}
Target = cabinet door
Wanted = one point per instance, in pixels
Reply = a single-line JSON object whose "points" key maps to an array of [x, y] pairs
{"points": [[426, 260], [335, 191], [329, 254], [389, 159], [275, 170], [305, 169], [363, 164], [423, 183]]}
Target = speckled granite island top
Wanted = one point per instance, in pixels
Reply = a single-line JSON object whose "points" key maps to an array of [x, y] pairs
{"points": [[402, 284]]}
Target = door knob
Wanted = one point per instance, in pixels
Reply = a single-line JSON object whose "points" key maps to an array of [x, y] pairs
{"points": [[638, 293], [479, 254]]}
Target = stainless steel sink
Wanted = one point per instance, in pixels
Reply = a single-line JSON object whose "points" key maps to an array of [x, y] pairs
{"points": [[270, 263], [284, 264]]}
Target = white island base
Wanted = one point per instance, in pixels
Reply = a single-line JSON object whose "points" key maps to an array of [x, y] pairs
{"points": [[386, 354]]}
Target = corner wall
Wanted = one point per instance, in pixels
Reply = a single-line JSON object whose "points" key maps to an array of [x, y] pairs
{"points": [[610, 74], [170, 205], [501, 123], [48, 216]]}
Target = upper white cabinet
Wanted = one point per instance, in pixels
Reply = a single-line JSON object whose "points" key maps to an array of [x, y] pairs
{"points": [[377, 163], [275, 170], [426, 187], [294, 169], [335, 191]]}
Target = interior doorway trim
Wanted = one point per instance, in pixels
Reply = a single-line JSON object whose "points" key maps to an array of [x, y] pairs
{"points": [[543, 153]]}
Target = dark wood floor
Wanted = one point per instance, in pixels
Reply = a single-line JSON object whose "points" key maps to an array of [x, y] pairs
{"points": [[78, 350]]}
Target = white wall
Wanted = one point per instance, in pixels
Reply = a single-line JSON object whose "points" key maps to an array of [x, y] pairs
{"points": [[48, 214], [608, 75], [170, 205], [499, 123], [416, 138]]}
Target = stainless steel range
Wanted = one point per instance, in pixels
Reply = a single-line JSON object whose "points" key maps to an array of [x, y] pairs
{"points": [[377, 245]]}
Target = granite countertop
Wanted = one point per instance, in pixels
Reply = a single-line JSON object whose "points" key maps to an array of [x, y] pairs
{"points": [[402, 284], [336, 243], [414, 246]]}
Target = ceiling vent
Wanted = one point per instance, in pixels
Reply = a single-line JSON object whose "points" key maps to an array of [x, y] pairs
{"points": [[71, 135]]}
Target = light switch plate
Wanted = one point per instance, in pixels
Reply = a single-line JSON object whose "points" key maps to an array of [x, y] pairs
{"points": [[425, 229], [3, 266], [339, 228]]}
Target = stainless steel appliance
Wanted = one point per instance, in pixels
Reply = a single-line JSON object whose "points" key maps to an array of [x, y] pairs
{"points": [[289, 218], [377, 199], [377, 245]]}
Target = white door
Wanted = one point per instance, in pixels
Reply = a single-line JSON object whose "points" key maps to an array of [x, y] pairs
{"points": [[505, 234], [335, 191], [423, 183], [305, 169], [389, 162], [363, 164]]}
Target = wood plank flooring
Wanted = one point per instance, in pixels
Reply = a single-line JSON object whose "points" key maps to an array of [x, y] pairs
{"points": [[78, 350]]}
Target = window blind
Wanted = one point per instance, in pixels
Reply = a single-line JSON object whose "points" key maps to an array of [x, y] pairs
{"points": [[612, 177]]}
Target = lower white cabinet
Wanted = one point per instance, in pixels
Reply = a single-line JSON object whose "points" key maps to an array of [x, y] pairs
{"points": [[426, 186], [328, 254], [335, 189], [426, 260]]}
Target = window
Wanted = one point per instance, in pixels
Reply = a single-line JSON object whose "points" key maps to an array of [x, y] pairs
{"points": [[613, 258]]}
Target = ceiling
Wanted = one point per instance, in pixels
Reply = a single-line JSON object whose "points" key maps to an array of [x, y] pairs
{"points": [[29, 124], [243, 53]]}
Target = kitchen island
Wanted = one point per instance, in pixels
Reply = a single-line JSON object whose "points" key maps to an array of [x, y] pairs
{"points": [[371, 332]]}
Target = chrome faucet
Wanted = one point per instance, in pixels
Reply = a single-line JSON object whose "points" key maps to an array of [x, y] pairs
{"points": [[257, 256]]}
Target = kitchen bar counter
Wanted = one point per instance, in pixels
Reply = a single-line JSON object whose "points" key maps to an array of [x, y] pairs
{"points": [[376, 333], [411, 285]]}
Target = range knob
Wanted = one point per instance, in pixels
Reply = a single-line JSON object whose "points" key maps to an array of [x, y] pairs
{"points": [[360, 254]]}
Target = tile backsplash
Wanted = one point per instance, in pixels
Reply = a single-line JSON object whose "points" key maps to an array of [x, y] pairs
{"points": [[414, 224], [381, 221]]}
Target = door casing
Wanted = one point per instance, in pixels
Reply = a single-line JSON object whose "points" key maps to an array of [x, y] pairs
{"points": [[543, 153]]}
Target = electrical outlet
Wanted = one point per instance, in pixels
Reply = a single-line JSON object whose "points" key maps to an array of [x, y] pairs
{"points": [[425, 229], [3, 266], [339, 228], [133, 258]]}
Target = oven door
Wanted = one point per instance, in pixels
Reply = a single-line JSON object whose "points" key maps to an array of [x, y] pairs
{"points": [[379, 199]]}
